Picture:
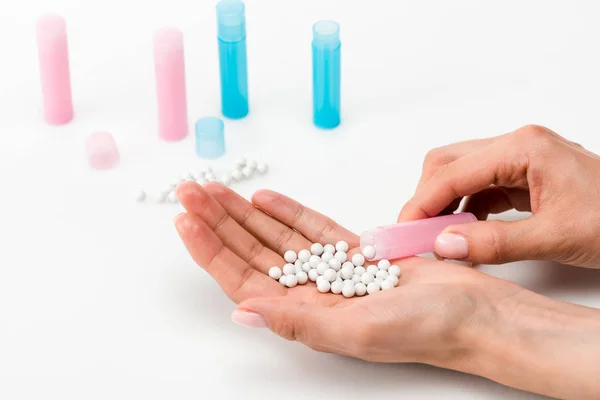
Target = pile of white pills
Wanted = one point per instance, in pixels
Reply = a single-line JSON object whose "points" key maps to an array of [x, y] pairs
{"points": [[330, 268], [242, 170]]}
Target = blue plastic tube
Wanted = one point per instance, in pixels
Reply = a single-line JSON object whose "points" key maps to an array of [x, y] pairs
{"points": [[326, 47], [231, 23]]}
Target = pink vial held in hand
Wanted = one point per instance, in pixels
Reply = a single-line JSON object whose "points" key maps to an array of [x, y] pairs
{"points": [[101, 150], [170, 84], [408, 238], [53, 54]]}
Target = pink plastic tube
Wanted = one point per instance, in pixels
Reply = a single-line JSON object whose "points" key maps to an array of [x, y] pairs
{"points": [[409, 238], [170, 84], [53, 56]]}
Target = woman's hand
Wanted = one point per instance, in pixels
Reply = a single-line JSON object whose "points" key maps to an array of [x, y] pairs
{"points": [[429, 319], [531, 169], [441, 314]]}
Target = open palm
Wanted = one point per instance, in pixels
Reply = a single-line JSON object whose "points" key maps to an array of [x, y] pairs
{"points": [[237, 242]]}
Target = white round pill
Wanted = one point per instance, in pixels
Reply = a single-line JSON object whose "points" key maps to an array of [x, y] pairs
{"points": [[341, 246], [330, 275], [373, 288], [335, 264], [341, 256], [282, 280], [290, 256], [306, 267], [162, 196], [289, 269], [348, 264], [302, 277], [336, 287], [275, 272], [349, 282], [241, 162], [372, 269], [291, 281], [379, 280], [360, 289], [326, 257], [304, 255], [358, 260], [359, 270], [298, 265], [348, 290], [395, 270], [237, 174], [314, 261], [226, 179], [262, 168], [369, 252], [247, 171], [387, 285], [141, 196], [393, 279], [329, 248], [347, 273], [323, 286], [313, 275], [316, 249], [381, 274], [322, 267], [210, 177], [173, 197], [356, 278], [252, 164], [383, 265], [367, 278], [201, 181]]}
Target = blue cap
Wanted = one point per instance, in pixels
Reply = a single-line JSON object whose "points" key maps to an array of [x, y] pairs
{"points": [[210, 137], [231, 21], [326, 34]]}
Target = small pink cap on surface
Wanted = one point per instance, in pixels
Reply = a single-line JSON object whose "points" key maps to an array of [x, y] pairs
{"points": [[102, 150]]}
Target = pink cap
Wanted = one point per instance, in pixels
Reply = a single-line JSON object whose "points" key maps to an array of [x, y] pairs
{"points": [[53, 56], [409, 238], [101, 150], [170, 84]]}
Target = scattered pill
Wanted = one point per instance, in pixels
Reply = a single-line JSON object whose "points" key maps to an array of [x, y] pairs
{"points": [[329, 248], [247, 171], [262, 168], [348, 290], [316, 249], [302, 277], [373, 288], [367, 278], [369, 252], [173, 197], [291, 281], [383, 265], [330, 275], [326, 257], [161, 197], [336, 287], [395, 270], [226, 179], [298, 266], [275, 272], [358, 260], [387, 285], [360, 289], [347, 273], [322, 267], [282, 280], [289, 269], [335, 264], [393, 279], [356, 278], [360, 270], [313, 275], [241, 162], [341, 246], [290, 256], [304, 255], [372, 269], [237, 174], [323, 286], [306, 267], [341, 256], [379, 280], [252, 165], [381, 274], [141, 196], [314, 261]]}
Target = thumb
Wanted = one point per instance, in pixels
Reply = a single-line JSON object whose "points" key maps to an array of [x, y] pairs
{"points": [[318, 327], [494, 242]]}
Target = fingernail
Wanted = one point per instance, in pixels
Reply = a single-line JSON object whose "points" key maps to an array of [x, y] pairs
{"points": [[248, 319], [450, 245]]}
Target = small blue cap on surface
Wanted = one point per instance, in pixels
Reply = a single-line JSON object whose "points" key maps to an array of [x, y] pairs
{"points": [[210, 137]]}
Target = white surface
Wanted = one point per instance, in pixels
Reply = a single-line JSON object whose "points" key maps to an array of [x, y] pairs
{"points": [[99, 299]]}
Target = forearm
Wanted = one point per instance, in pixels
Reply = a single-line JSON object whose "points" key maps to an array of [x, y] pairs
{"points": [[540, 345]]}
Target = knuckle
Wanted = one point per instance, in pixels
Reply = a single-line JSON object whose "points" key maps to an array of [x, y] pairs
{"points": [[496, 241], [533, 134], [365, 338], [434, 157]]}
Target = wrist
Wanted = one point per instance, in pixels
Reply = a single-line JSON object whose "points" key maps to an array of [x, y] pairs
{"points": [[537, 344]]}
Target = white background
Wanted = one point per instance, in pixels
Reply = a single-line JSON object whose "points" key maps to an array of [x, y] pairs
{"points": [[98, 297]]}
